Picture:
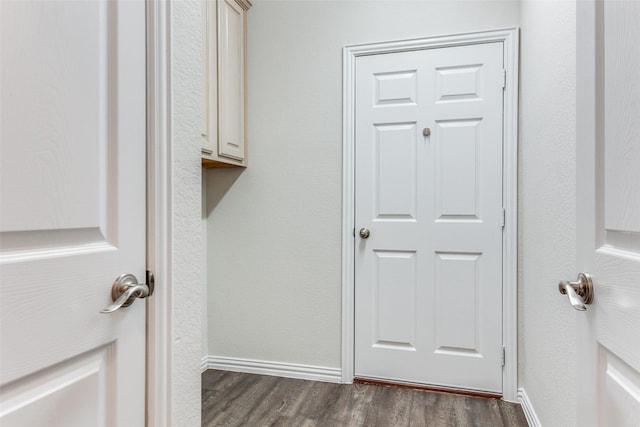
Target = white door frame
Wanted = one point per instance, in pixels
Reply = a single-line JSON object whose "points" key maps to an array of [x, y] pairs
{"points": [[159, 214], [510, 188]]}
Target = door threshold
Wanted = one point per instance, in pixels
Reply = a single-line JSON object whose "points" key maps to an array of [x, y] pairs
{"points": [[426, 387]]}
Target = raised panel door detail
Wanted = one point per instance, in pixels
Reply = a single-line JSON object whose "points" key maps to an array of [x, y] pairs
{"points": [[231, 84], [621, 94], [457, 154], [82, 383], [428, 279], [396, 171], [458, 83], [456, 303], [70, 117], [394, 303], [209, 131], [619, 394], [396, 88]]}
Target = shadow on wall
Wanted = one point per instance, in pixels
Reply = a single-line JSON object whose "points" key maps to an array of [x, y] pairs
{"points": [[224, 178]]}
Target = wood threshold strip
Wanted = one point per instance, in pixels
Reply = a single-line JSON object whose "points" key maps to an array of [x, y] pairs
{"points": [[414, 386]]}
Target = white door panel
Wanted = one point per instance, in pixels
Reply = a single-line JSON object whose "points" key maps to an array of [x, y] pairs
{"points": [[428, 296], [72, 211], [608, 123]]}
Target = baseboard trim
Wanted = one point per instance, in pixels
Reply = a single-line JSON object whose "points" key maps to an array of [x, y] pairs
{"points": [[527, 408], [278, 369]]}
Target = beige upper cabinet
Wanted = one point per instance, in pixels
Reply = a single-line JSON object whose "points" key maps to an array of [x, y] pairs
{"points": [[224, 141]]}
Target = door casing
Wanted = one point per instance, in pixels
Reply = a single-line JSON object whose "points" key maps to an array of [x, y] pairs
{"points": [[159, 214], [509, 38]]}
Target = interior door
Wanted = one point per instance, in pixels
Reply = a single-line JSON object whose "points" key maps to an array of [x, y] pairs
{"points": [[429, 217], [608, 155], [72, 211]]}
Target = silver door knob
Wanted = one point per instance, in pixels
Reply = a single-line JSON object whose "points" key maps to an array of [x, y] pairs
{"points": [[365, 233], [580, 293], [126, 289]]}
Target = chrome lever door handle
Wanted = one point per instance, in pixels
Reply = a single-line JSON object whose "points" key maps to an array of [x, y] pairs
{"points": [[566, 288], [125, 290], [580, 293]]}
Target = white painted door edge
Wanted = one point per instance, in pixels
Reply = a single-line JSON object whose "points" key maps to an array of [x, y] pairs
{"points": [[509, 38], [159, 307]]}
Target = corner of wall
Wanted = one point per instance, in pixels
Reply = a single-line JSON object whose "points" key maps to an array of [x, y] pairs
{"points": [[187, 262], [547, 209]]}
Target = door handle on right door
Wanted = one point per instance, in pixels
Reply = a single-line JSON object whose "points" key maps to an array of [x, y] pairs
{"points": [[580, 293], [365, 233], [126, 290]]}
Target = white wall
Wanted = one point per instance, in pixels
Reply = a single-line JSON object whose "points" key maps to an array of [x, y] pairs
{"points": [[547, 199], [204, 332], [274, 244], [187, 261]]}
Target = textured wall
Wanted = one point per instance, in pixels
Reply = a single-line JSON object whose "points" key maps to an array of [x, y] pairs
{"points": [[274, 242], [187, 255], [547, 208]]}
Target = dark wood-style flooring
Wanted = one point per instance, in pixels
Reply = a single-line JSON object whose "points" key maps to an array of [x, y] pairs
{"points": [[235, 399]]}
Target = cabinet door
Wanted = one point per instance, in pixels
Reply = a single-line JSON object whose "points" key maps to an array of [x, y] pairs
{"points": [[231, 79], [210, 80]]}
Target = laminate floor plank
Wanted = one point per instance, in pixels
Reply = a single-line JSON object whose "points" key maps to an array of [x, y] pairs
{"points": [[231, 399]]}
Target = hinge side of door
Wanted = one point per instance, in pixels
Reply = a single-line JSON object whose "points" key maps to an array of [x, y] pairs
{"points": [[504, 79], [503, 355]]}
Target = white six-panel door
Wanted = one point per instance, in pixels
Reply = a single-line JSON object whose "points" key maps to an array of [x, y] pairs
{"points": [[608, 211], [72, 212], [428, 185]]}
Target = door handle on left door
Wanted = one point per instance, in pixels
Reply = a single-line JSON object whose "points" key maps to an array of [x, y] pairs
{"points": [[580, 293], [126, 289]]}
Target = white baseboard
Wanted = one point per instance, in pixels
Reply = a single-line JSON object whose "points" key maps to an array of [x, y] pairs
{"points": [[527, 408], [278, 369]]}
